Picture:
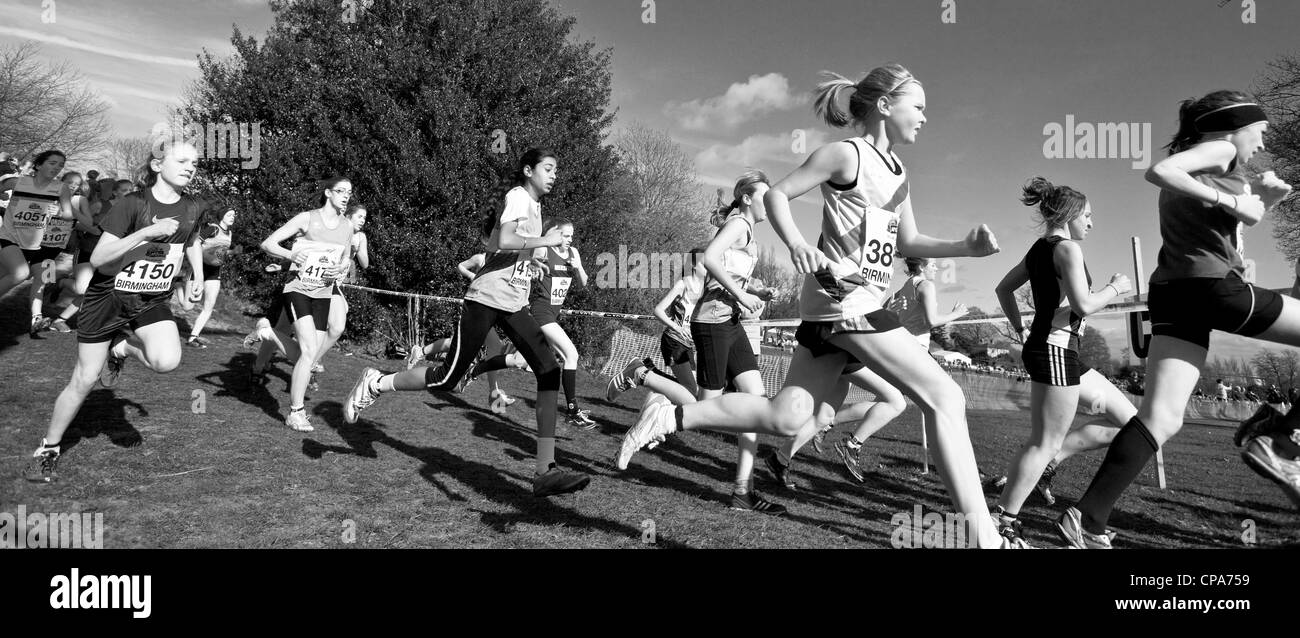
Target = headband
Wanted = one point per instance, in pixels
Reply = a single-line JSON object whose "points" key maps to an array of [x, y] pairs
{"points": [[1229, 118]]}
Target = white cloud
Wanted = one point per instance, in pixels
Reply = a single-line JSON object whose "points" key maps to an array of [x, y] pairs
{"points": [[759, 151], [117, 53], [760, 95]]}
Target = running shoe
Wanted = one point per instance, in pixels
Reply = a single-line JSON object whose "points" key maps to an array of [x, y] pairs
{"points": [[499, 401], [44, 465], [655, 423], [625, 380], [1070, 525], [849, 457], [470, 377], [112, 367], [1011, 530], [780, 470], [752, 501], [298, 421], [1267, 458], [580, 419], [197, 342], [414, 357], [819, 439], [361, 396], [995, 486], [1044, 485], [39, 324], [61, 326], [317, 368], [557, 481], [258, 334], [1263, 421]]}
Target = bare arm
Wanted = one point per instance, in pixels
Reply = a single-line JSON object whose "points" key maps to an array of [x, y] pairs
{"points": [[1174, 174], [363, 251], [579, 272], [930, 302], [1006, 291], [731, 233], [980, 242], [830, 163], [291, 228], [1069, 262], [469, 268], [661, 308]]}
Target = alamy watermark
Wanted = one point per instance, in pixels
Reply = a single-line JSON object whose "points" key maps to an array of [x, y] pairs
{"points": [[37, 530], [632, 269], [1103, 140], [931, 530], [213, 140]]}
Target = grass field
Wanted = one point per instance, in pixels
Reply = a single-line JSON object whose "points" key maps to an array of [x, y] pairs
{"points": [[442, 471]]}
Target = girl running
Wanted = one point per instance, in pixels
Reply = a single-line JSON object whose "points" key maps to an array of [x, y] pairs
{"points": [[563, 268], [216, 241], [498, 296], [498, 400], [321, 238], [1063, 296], [358, 258], [57, 240], [866, 213], [92, 206], [139, 251], [1206, 196], [35, 200]]}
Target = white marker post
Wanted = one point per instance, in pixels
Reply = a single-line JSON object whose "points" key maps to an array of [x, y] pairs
{"points": [[1139, 284]]}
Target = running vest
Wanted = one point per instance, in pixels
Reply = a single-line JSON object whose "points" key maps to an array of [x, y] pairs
{"points": [[859, 232], [326, 247], [149, 267], [1200, 240], [504, 280], [553, 287], [29, 212], [1061, 327], [683, 307], [717, 305]]}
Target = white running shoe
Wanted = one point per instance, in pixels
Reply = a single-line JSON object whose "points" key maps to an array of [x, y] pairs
{"points": [[298, 421], [415, 356], [1070, 525], [361, 396], [655, 424]]}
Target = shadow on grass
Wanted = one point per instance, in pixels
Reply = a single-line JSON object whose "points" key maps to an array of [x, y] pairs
{"points": [[492, 482], [104, 414], [233, 381]]}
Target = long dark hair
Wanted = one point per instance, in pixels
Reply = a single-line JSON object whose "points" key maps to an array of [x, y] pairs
{"points": [[1187, 135], [492, 211], [1057, 205]]}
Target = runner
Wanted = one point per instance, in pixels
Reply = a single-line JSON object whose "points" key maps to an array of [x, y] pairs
{"points": [[866, 212], [321, 238], [34, 201], [216, 241], [498, 296], [1206, 196], [92, 206], [139, 251]]}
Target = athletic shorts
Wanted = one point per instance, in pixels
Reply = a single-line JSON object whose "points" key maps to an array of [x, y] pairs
{"points": [[105, 312], [544, 313], [674, 351], [1053, 365], [211, 272], [35, 256], [1189, 309], [722, 353], [815, 335], [299, 305]]}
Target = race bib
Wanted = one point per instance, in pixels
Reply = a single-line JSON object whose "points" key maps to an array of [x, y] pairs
{"points": [[522, 275], [149, 268], [57, 233], [320, 266], [559, 289], [27, 218], [876, 256]]}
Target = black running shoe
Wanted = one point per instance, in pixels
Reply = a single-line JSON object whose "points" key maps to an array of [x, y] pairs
{"points": [[557, 481], [754, 502], [780, 470]]}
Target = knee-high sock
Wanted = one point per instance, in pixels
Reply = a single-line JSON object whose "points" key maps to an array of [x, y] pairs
{"points": [[1132, 448]]}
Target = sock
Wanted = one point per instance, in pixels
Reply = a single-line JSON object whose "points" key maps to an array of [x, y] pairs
{"points": [[49, 446], [545, 453], [677, 416], [300, 408], [1132, 448], [853, 443], [569, 379], [741, 487], [385, 384]]}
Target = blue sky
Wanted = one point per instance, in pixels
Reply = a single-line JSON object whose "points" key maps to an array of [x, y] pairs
{"points": [[730, 81]]}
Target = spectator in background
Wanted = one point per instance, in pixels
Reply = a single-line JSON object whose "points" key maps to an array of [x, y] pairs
{"points": [[1222, 389]]}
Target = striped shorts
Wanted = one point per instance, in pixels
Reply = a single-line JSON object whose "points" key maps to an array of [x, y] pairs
{"points": [[1053, 365]]}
